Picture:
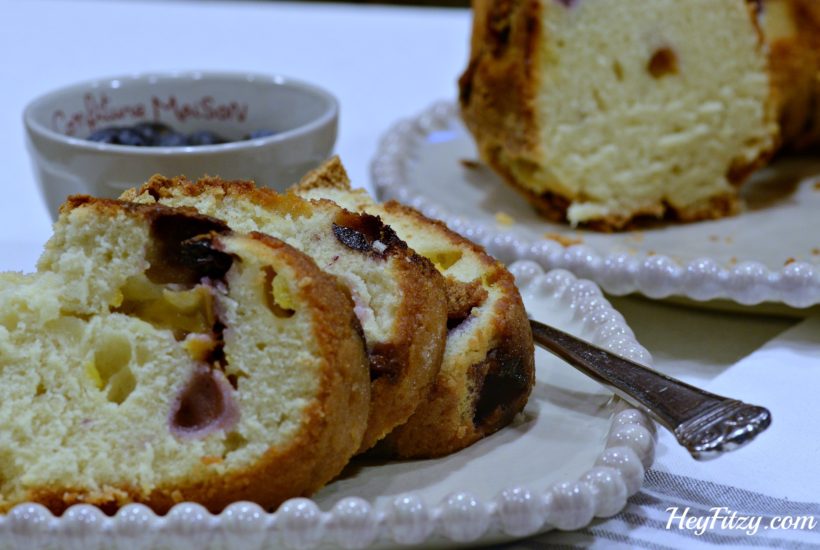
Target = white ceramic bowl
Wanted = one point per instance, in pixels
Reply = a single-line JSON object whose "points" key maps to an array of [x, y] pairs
{"points": [[303, 117]]}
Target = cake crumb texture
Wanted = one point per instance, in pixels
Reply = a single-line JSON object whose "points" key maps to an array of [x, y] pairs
{"points": [[143, 363], [606, 112]]}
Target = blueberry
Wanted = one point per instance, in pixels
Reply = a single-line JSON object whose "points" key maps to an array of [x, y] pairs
{"points": [[260, 134], [204, 137], [105, 135], [128, 136], [152, 131], [172, 139], [155, 133], [118, 136]]}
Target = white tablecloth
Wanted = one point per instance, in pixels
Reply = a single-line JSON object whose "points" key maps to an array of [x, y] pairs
{"points": [[386, 63], [775, 476]]}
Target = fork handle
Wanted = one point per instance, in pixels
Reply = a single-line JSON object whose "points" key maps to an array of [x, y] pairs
{"points": [[706, 424]]}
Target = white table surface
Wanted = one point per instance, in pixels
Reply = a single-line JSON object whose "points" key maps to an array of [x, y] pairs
{"points": [[383, 63]]}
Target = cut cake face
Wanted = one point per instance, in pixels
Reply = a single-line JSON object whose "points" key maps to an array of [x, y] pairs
{"points": [[600, 112], [158, 357], [398, 295]]}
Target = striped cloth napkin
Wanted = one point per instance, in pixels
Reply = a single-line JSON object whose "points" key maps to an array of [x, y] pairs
{"points": [[766, 495]]}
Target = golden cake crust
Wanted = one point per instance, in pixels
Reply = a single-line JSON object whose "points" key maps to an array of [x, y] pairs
{"points": [[497, 387], [793, 29], [486, 378], [403, 367], [330, 430], [504, 56]]}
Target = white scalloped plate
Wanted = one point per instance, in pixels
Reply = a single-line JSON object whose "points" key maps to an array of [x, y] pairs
{"points": [[769, 253], [575, 453]]}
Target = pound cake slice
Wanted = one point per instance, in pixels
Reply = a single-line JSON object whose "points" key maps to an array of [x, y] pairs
{"points": [[603, 111], [399, 295], [488, 371], [156, 357]]}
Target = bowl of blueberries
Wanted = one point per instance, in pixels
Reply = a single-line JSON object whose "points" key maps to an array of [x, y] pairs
{"points": [[104, 136]]}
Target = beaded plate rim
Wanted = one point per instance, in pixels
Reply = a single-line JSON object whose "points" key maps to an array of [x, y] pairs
{"points": [[748, 283], [407, 520]]}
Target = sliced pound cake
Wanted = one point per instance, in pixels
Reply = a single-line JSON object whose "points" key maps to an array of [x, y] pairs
{"points": [[399, 295], [488, 368], [602, 111], [156, 357]]}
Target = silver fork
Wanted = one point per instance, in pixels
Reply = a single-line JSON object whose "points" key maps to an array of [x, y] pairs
{"points": [[706, 424]]}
